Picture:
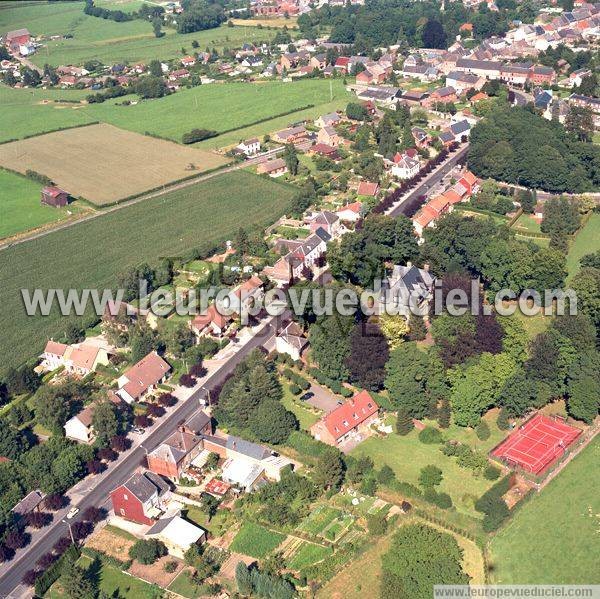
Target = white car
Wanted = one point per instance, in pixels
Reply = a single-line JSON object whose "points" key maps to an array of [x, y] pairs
{"points": [[72, 513]]}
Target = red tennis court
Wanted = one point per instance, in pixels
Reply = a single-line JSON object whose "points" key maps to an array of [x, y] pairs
{"points": [[536, 444]]}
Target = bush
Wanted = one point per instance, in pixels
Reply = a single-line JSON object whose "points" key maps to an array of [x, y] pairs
{"points": [[482, 431], [94, 514], [430, 436], [142, 421], [119, 443], [187, 380], [167, 400], [147, 551], [295, 390], [491, 472], [170, 567], [197, 135]]}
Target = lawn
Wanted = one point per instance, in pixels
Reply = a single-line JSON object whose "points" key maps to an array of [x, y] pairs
{"points": [[185, 587], [527, 223], [109, 41], [587, 241], [147, 162], [319, 519], [305, 416], [20, 206], [554, 538], [406, 455], [308, 554], [218, 106], [112, 582], [255, 540], [91, 254]]}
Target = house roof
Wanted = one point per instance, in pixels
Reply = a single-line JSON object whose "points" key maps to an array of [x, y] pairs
{"points": [[294, 335], [425, 216], [439, 203], [197, 421], [350, 414], [144, 485], [54, 348], [247, 448], [326, 217], [322, 234], [147, 372], [442, 92], [247, 287], [353, 207], [16, 33], [86, 415], [273, 165], [460, 127], [177, 531], [367, 188], [52, 190], [84, 356], [28, 503], [212, 315]]}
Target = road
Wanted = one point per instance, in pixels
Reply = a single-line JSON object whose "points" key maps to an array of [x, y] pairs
{"points": [[101, 485], [433, 179], [166, 189]]}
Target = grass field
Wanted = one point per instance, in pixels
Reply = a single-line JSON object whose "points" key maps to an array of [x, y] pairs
{"points": [[307, 555], [587, 241], [91, 162], [215, 106], [109, 41], [92, 253], [554, 538], [20, 206], [255, 540], [32, 111], [527, 223], [305, 416], [112, 582], [406, 455]]}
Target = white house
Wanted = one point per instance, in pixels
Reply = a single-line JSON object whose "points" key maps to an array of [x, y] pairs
{"points": [[249, 146], [405, 167], [291, 341], [350, 213], [243, 474], [79, 428], [80, 359]]}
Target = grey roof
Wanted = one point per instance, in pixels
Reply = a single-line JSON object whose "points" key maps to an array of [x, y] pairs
{"points": [[197, 421], [28, 503], [488, 65], [160, 525], [247, 448], [460, 127], [145, 484], [310, 243], [461, 76], [324, 235], [446, 136], [327, 217], [543, 100]]}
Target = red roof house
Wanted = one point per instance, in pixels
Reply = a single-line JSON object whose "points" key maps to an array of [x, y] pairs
{"points": [[367, 188], [54, 196], [142, 377], [347, 420], [141, 498]]}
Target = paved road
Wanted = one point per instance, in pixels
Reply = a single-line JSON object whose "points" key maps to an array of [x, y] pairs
{"points": [[433, 179], [101, 485], [143, 198]]}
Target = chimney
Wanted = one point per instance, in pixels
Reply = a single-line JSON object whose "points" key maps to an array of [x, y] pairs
{"points": [[426, 267], [409, 264]]}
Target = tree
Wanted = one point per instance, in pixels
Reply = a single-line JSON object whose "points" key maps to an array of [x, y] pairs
{"points": [[368, 355], [502, 421], [482, 430], [13, 443], [417, 331], [291, 159], [53, 406], [157, 27], [583, 399], [394, 327], [518, 394], [404, 422], [151, 87], [105, 421], [271, 422], [386, 475], [377, 524], [328, 472], [444, 413], [243, 579], [526, 199], [433, 34], [330, 345], [356, 111], [416, 551], [430, 476], [560, 216], [143, 341], [75, 582], [580, 122], [147, 551]]}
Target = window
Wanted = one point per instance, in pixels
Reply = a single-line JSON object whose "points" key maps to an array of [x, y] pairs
{"points": [[125, 497], [122, 512]]}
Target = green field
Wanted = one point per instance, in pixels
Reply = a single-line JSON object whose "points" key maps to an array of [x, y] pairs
{"points": [[92, 253], [554, 539], [20, 206], [406, 455], [587, 241], [527, 223], [219, 107], [32, 111], [307, 555], [109, 41], [255, 540]]}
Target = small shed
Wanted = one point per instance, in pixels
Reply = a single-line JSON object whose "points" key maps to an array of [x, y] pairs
{"points": [[54, 196]]}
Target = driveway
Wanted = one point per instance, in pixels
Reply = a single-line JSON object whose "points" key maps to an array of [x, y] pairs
{"points": [[323, 399]]}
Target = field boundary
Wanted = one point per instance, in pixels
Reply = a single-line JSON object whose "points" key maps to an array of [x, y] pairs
{"points": [[39, 134]]}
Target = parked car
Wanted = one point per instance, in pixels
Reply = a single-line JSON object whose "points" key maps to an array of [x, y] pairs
{"points": [[72, 513], [138, 430], [307, 396]]}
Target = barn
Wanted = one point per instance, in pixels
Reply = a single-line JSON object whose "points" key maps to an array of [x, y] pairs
{"points": [[54, 196]]}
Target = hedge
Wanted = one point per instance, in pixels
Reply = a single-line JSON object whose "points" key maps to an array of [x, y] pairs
{"points": [[39, 134], [52, 574]]}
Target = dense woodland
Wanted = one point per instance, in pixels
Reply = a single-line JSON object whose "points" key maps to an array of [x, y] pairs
{"points": [[516, 145]]}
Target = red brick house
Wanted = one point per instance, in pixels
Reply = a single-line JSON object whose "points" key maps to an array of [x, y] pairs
{"points": [[54, 196], [173, 456], [141, 498], [346, 421]]}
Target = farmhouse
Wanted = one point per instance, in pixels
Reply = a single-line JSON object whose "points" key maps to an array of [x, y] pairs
{"points": [[329, 136], [171, 458], [54, 196], [249, 146], [141, 498], [273, 168], [328, 120], [348, 421], [17, 38], [79, 359], [142, 378]]}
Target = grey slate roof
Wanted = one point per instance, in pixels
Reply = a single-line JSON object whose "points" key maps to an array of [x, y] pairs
{"points": [[247, 448], [144, 485]]}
